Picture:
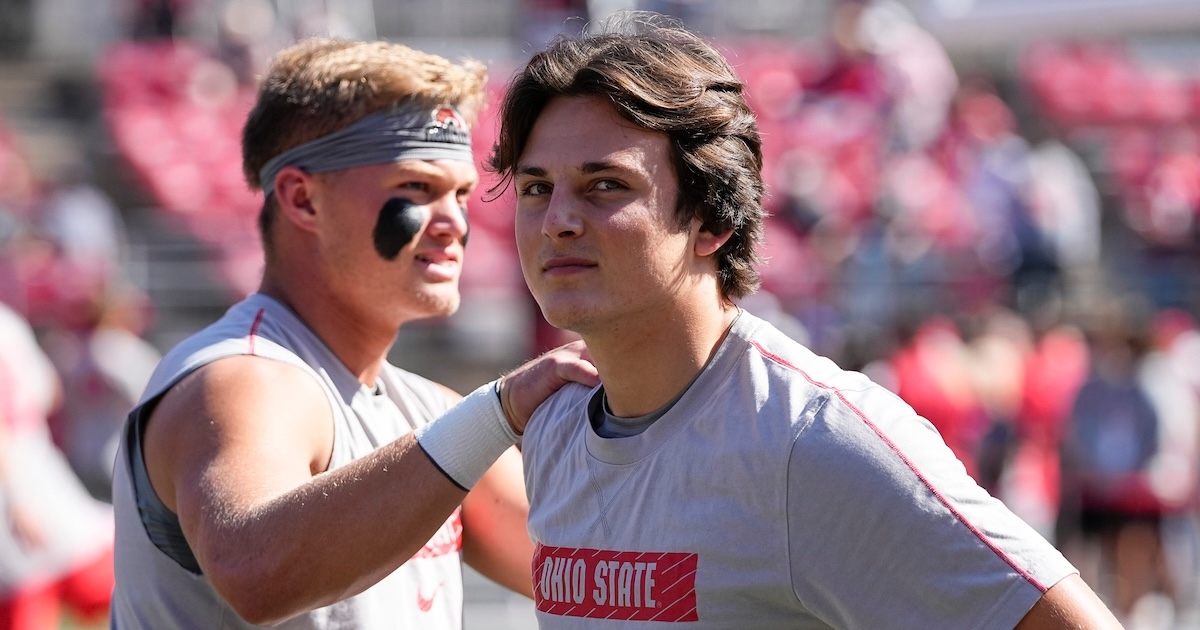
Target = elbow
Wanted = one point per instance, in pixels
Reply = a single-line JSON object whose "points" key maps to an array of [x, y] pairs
{"points": [[258, 597], [260, 612], [260, 608]]}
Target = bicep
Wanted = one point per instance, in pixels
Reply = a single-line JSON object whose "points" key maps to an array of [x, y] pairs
{"points": [[231, 436]]}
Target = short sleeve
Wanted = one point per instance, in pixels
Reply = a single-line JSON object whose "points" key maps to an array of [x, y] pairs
{"points": [[887, 530]]}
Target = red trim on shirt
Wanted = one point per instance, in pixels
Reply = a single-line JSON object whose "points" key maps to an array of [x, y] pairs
{"points": [[911, 466], [254, 328]]}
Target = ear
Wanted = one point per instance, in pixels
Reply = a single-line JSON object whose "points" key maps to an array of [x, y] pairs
{"points": [[708, 243], [294, 195]]}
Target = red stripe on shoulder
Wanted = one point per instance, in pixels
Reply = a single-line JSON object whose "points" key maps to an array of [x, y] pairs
{"points": [[254, 328], [907, 462]]}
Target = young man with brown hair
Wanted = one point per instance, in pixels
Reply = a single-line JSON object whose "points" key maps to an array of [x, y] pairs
{"points": [[723, 475]]}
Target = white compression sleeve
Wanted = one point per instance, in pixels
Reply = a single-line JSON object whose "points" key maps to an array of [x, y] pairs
{"points": [[466, 440]]}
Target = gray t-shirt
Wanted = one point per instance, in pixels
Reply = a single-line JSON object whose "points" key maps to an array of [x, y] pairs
{"points": [[778, 492], [158, 583]]}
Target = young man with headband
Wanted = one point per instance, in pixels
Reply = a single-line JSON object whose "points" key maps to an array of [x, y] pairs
{"points": [[277, 469], [723, 476]]}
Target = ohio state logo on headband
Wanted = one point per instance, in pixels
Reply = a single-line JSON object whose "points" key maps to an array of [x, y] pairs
{"points": [[446, 125]]}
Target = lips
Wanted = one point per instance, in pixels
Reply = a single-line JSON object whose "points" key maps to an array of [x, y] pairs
{"points": [[438, 265], [567, 264], [434, 257]]}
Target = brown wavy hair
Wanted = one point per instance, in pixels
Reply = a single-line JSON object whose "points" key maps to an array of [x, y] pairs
{"points": [[663, 78]]}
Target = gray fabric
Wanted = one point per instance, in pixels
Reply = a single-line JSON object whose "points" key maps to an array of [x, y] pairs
{"points": [[403, 133], [154, 591], [807, 497], [162, 525]]}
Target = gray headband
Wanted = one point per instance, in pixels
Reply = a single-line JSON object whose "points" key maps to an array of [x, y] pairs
{"points": [[403, 133]]}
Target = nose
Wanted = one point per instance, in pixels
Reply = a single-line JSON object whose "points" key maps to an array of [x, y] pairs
{"points": [[562, 218], [447, 218]]}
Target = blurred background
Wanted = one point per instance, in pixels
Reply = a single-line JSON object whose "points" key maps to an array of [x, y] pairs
{"points": [[989, 206]]}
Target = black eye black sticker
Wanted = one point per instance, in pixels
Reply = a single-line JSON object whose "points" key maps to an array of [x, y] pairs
{"points": [[400, 220]]}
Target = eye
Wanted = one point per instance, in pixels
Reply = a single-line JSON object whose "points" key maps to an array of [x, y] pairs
{"points": [[417, 186], [608, 184], [535, 189]]}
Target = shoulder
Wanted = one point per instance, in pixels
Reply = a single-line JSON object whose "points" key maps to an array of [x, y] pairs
{"points": [[560, 409], [237, 412], [789, 371], [420, 398], [570, 397], [839, 415], [241, 384]]}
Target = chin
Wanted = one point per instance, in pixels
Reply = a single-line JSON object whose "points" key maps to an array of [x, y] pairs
{"points": [[563, 317], [444, 308], [436, 303]]}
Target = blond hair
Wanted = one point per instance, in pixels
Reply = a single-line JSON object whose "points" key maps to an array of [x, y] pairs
{"points": [[319, 86]]}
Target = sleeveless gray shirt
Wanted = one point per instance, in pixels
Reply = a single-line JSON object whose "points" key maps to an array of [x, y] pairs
{"points": [[158, 583]]}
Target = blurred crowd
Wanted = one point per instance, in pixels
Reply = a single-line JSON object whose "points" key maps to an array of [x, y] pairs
{"points": [[1013, 254]]}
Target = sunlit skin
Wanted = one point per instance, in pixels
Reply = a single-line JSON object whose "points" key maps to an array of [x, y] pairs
{"points": [[605, 255], [332, 220]]}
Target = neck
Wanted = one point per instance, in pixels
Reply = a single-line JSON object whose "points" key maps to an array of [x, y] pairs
{"points": [[358, 341], [644, 366]]}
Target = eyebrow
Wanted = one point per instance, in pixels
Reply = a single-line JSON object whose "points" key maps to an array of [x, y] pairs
{"points": [[419, 168], [587, 168]]}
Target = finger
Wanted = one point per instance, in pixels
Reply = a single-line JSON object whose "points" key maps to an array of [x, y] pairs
{"points": [[580, 371]]}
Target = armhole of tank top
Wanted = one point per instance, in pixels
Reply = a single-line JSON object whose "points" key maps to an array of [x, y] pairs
{"points": [[146, 499]]}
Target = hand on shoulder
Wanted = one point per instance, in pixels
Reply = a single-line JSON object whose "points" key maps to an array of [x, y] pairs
{"points": [[528, 386]]}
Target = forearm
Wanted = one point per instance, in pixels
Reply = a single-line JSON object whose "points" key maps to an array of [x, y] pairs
{"points": [[351, 526]]}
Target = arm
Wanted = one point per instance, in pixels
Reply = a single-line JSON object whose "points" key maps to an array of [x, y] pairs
{"points": [[495, 539], [1069, 605], [237, 450]]}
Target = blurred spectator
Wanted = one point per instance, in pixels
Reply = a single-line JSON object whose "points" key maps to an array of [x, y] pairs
{"points": [[105, 365], [1169, 374], [1055, 369], [992, 164], [156, 19], [83, 222], [1111, 518], [56, 549], [997, 355], [1065, 206], [248, 34], [923, 80], [850, 67], [932, 374]]}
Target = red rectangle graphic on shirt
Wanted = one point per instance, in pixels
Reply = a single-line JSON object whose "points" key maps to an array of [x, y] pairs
{"points": [[625, 585]]}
